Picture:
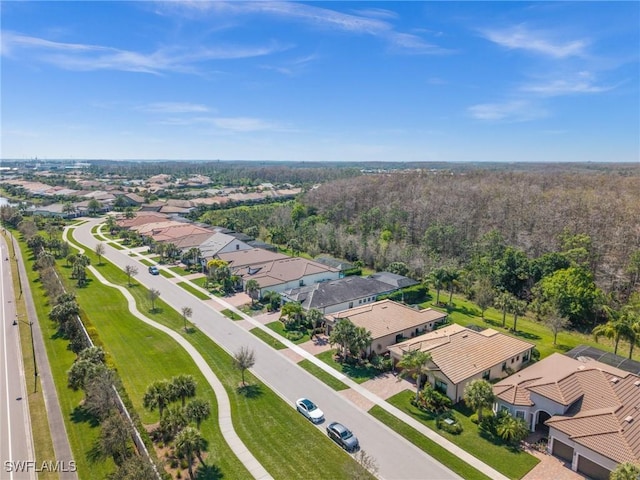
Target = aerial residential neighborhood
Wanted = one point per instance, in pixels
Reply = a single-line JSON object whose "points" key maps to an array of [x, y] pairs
{"points": [[298, 240]]}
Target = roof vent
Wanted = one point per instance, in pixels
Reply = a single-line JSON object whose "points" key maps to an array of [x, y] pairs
{"points": [[581, 367], [615, 379], [637, 383], [629, 419]]}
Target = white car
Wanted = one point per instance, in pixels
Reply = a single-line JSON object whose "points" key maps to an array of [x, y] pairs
{"points": [[310, 410]]}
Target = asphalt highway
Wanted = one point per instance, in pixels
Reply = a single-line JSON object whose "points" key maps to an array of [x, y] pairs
{"points": [[16, 443], [395, 457]]}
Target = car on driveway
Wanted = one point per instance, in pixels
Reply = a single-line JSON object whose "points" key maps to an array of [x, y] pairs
{"points": [[153, 270], [343, 436], [310, 410]]}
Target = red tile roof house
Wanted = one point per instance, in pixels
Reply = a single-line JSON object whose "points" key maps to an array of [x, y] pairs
{"points": [[592, 410], [277, 272], [459, 355], [388, 322]]}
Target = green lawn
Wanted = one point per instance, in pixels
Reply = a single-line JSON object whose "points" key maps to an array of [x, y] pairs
{"points": [[427, 445], [278, 327], [511, 463], [465, 313], [82, 435], [356, 373], [230, 314], [320, 374], [117, 246], [272, 430], [268, 339], [146, 262], [179, 270], [196, 293], [165, 274]]}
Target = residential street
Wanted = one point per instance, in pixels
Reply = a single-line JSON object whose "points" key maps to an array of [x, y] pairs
{"points": [[395, 457]]}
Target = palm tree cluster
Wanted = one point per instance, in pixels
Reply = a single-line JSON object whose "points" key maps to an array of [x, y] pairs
{"points": [[353, 341], [622, 324], [175, 418]]}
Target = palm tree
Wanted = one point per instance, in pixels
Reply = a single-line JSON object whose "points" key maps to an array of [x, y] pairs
{"points": [[111, 223], [626, 471], [315, 318], [478, 394], [512, 430], [341, 335], [243, 359], [252, 287], [291, 313], [451, 279], [518, 308], [183, 386], [197, 410], [190, 443], [503, 302], [158, 395], [186, 313], [360, 342], [438, 278], [414, 364], [616, 328]]}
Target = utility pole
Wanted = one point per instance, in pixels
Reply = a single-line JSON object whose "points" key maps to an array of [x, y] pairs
{"points": [[33, 351]]}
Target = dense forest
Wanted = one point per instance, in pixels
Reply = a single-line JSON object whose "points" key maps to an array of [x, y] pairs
{"points": [[534, 235]]}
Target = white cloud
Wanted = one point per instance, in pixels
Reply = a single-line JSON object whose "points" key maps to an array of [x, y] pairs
{"points": [[242, 124], [293, 67], [74, 56], [174, 107], [519, 37], [513, 111], [565, 87]]}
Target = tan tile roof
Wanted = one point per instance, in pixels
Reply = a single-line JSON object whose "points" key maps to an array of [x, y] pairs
{"points": [[253, 256], [142, 218], [147, 228], [461, 353], [601, 399], [387, 317], [277, 272], [174, 232]]}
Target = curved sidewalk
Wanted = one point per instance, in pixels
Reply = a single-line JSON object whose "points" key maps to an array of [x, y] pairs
{"points": [[224, 407]]}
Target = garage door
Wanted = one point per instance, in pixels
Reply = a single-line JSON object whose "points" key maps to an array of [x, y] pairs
{"points": [[592, 469], [562, 450]]}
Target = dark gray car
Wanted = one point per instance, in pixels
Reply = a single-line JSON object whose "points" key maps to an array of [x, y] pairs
{"points": [[343, 436]]}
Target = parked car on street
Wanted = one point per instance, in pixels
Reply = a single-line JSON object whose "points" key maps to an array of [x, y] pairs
{"points": [[343, 436], [310, 410], [153, 270]]}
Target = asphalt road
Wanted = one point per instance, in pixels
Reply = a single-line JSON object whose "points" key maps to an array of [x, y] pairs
{"points": [[16, 442], [395, 457]]}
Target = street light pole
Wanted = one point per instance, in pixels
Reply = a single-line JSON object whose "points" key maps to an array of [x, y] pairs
{"points": [[33, 351]]}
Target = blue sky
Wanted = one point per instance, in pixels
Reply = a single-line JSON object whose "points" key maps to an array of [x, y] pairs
{"points": [[335, 81]]}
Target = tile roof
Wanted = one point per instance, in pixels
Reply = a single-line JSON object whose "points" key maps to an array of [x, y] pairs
{"points": [[142, 218], [279, 271], [461, 353], [604, 412], [252, 256], [393, 279], [334, 292], [387, 317]]}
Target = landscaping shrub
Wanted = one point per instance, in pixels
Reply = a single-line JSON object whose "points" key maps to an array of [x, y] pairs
{"points": [[357, 271], [444, 423], [410, 295], [431, 400], [294, 335]]}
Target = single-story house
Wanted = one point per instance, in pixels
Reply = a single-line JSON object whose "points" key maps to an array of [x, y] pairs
{"points": [[591, 410], [389, 322], [338, 295], [275, 271], [220, 243], [393, 279], [459, 355]]}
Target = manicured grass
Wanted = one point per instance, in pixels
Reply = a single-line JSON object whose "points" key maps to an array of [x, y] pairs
{"points": [[272, 430], [42, 442], [511, 463], [146, 262], [278, 327], [179, 270], [165, 274], [133, 254], [201, 282], [82, 434], [268, 339], [196, 293], [427, 445], [354, 372], [230, 314], [117, 246], [320, 374], [465, 313]]}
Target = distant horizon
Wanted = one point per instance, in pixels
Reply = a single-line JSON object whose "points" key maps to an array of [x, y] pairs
{"points": [[379, 81]]}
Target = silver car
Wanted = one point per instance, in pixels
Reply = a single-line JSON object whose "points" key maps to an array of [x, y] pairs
{"points": [[343, 436], [310, 410]]}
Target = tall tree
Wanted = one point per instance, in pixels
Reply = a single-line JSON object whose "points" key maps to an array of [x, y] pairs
{"points": [[131, 271], [190, 443], [341, 335], [438, 278], [484, 294], [554, 320], [184, 386], [517, 308], [158, 395], [478, 394], [451, 278], [197, 410], [115, 438], [503, 302], [291, 313], [99, 251], [154, 294], [186, 313], [244, 359], [415, 364], [252, 287]]}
